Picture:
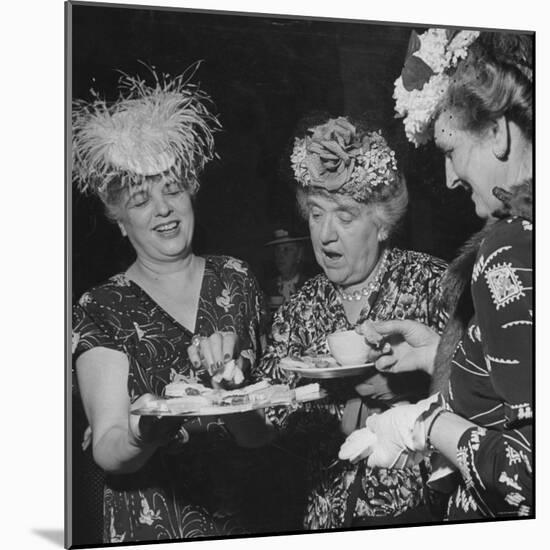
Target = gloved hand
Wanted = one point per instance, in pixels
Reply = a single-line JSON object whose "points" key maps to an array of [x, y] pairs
{"points": [[395, 438]]}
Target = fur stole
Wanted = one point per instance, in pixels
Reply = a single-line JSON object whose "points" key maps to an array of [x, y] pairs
{"points": [[457, 300]]}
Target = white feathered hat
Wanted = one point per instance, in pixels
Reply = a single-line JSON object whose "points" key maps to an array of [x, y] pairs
{"points": [[165, 129]]}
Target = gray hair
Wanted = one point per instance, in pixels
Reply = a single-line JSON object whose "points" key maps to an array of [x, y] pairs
{"points": [[387, 212]]}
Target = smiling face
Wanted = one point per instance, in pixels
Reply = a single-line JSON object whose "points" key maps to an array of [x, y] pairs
{"points": [[470, 162], [344, 238], [158, 218]]}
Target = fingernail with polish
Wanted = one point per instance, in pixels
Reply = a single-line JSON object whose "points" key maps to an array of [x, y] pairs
{"points": [[226, 357]]}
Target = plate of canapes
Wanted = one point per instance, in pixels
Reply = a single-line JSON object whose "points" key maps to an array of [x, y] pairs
{"points": [[190, 398]]}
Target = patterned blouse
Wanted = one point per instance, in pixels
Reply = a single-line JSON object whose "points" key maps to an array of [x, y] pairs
{"points": [[491, 380], [181, 492], [408, 290]]}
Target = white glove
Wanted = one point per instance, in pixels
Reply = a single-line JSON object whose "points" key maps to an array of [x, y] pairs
{"points": [[393, 439]]}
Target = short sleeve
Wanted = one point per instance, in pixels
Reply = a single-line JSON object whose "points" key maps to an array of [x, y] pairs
{"points": [[92, 326]]}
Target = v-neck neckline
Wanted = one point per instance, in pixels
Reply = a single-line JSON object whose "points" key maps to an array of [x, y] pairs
{"points": [[146, 296]]}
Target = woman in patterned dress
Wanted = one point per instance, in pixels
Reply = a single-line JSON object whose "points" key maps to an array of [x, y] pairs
{"points": [[166, 478], [353, 198], [482, 420]]}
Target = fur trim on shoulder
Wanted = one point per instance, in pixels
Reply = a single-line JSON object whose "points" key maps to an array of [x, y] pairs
{"points": [[457, 302], [518, 201]]}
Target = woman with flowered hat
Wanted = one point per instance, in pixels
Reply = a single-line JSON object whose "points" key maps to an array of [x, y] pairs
{"points": [[353, 196], [170, 314], [472, 92]]}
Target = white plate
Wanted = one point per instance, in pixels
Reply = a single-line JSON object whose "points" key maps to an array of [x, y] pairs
{"points": [[338, 371]]}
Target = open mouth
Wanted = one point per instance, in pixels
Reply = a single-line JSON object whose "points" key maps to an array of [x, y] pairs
{"points": [[331, 255], [166, 227]]}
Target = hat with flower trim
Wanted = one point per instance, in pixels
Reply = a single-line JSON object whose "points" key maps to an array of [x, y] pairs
{"points": [[339, 158], [431, 58]]}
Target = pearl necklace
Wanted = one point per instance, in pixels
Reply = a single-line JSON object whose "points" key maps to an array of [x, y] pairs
{"points": [[367, 290]]}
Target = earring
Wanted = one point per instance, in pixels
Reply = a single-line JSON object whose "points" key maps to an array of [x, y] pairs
{"points": [[122, 230], [382, 235]]}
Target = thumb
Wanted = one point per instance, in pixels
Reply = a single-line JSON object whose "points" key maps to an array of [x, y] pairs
{"points": [[142, 401], [372, 422], [385, 363]]}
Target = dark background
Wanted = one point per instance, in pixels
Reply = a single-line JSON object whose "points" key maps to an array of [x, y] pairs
{"points": [[264, 74]]}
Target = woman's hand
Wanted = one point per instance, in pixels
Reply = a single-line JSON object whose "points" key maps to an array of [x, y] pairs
{"points": [[219, 355], [395, 438], [152, 431], [406, 345]]}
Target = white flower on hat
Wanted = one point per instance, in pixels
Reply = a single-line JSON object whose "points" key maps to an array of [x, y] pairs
{"points": [[425, 78]]}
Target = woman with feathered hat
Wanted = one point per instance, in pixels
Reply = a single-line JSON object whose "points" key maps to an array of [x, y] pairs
{"points": [[170, 314], [473, 93]]}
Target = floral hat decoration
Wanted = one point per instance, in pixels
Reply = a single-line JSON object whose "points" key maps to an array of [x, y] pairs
{"points": [[338, 158], [424, 80], [165, 129]]}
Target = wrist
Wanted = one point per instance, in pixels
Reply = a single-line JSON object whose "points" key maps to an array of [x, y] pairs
{"points": [[428, 411], [429, 356], [432, 420]]}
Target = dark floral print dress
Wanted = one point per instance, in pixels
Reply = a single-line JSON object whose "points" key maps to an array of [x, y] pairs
{"points": [[491, 380], [185, 490], [409, 289]]}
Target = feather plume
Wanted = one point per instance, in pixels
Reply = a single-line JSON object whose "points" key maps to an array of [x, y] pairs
{"points": [[165, 129]]}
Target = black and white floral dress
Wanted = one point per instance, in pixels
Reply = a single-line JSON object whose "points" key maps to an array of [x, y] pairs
{"points": [[409, 289], [183, 491], [491, 380]]}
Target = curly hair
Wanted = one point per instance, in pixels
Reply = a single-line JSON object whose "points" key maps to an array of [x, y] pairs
{"points": [[387, 214], [494, 80]]}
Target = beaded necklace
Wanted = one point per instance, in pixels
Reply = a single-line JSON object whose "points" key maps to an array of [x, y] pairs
{"points": [[368, 289]]}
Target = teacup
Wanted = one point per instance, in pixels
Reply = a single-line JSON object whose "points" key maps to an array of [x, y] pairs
{"points": [[348, 347]]}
